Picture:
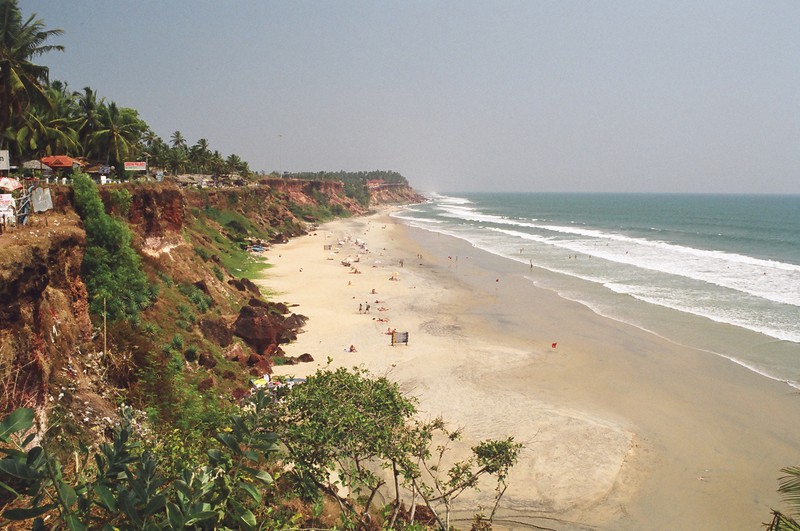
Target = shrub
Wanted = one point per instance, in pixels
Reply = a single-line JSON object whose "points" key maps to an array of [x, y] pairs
{"points": [[121, 199], [177, 342], [202, 253], [128, 489], [190, 353], [111, 268]]}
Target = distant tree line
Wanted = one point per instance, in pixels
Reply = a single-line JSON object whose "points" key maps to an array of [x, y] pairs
{"points": [[40, 118]]}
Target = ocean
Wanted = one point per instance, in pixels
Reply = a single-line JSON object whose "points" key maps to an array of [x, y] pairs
{"points": [[720, 273]]}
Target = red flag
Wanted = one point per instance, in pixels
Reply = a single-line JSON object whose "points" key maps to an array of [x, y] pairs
{"points": [[553, 345]]}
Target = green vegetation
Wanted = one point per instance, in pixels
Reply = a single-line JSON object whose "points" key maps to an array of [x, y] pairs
{"points": [[121, 200], [111, 268], [229, 231], [39, 117], [375, 430], [790, 488], [272, 450], [124, 486]]}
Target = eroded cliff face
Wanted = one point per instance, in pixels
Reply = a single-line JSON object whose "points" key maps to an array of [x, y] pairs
{"points": [[43, 305], [48, 347]]}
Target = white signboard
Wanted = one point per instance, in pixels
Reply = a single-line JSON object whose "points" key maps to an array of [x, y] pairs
{"points": [[4, 161], [7, 207], [135, 166]]}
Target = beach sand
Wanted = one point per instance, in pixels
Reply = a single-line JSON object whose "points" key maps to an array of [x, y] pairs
{"points": [[622, 429]]}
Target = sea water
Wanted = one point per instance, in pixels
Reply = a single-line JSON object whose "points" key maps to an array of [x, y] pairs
{"points": [[716, 272]]}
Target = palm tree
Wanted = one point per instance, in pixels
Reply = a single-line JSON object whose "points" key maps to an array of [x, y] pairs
{"points": [[177, 158], [157, 148], [177, 140], [48, 129], [217, 164], [790, 488], [200, 155], [89, 109], [22, 83], [235, 164], [119, 134]]}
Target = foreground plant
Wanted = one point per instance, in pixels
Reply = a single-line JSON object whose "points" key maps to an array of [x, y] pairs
{"points": [[790, 488], [122, 487]]}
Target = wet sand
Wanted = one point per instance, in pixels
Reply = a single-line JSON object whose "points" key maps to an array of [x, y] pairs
{"points": [[623, 429]]}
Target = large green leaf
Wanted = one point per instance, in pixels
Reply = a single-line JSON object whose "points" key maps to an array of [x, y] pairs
{"points": [[25, 514], [261, 475], [106, 497], [18, 469], [175, 516], [19, 420], [200, 517], [251, 490], [230, 441]]}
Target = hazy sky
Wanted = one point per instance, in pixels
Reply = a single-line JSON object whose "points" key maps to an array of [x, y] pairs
{"points": [[636, 96]]}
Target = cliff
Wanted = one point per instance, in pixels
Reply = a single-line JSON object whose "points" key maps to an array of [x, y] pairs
{"points": [[208, 323]]}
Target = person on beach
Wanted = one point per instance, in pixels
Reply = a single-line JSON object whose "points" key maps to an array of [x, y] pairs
{"points": [[366, 309], [360, 308], [352, 348]]}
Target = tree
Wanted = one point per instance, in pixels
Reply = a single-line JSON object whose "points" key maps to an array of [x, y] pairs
{"points": [[371, 426], [118, 135], [177, 159], [22, 83], [88, 109], [790, 488], [235, 164], [177, 140], [200, 155]]}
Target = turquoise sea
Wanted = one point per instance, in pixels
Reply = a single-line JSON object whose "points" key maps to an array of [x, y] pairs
{"points": [[717, 272]]}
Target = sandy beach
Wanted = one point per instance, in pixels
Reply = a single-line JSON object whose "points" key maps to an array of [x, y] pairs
{"points": [[622, 429]]}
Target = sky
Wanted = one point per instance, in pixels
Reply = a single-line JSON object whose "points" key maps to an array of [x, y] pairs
{"points": [[531, 96]]}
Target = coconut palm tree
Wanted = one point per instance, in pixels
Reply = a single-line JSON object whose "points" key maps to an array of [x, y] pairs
{"points": [[119, 135], [177, 140], [200, 155], [789, 486], [89, 110], [48, 129], [22, 83], [177, 159], [235, 164]]}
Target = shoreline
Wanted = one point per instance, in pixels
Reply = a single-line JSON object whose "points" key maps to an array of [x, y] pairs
{"points": [[623, 429]]}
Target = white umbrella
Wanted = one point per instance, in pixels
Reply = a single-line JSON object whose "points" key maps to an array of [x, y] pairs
{"points": [[7, 183]]}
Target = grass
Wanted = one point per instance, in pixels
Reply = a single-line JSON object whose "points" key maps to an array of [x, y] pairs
{"points": [[237, 260]]}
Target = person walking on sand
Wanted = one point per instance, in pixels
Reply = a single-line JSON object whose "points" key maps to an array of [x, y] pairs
{"points": [[366, 310], [360, 307]]}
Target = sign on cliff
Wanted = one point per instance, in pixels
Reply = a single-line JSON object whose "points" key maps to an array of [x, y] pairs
{"points": [[136, 166]]}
